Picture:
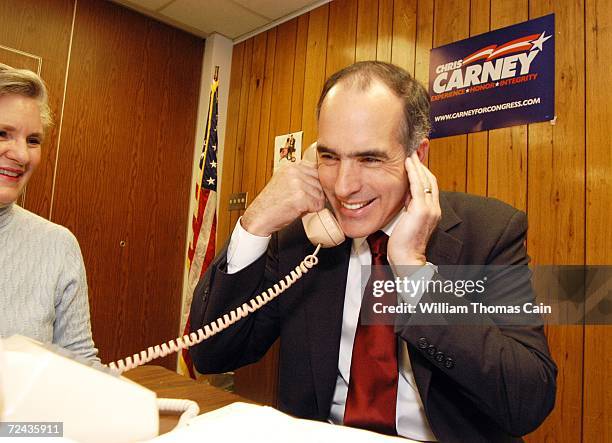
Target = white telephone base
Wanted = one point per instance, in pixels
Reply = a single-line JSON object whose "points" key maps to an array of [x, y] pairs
{"points": [[38, 385], [242, 422]]}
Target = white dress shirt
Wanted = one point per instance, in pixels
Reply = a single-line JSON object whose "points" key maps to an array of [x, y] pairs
{"points": [[411, 422]]}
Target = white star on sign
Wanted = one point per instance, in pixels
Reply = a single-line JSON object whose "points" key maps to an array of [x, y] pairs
{"points": [[210, 181], [213, 164], [539, 42]]}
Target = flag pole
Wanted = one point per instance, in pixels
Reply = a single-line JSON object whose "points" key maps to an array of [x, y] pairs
{"points": [[203, 226]]}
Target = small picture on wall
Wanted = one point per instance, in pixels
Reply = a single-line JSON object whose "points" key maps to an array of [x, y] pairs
{"points": [[287, 149]]}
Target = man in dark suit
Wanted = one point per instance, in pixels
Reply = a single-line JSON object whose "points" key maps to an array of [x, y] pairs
{"points": [[468, 377]]}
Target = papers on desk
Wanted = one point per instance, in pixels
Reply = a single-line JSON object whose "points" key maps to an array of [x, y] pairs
{"points": [[242, 422]]}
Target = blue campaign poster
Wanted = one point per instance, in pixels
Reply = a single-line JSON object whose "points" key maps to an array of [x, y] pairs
{"points": [[494, 80]]}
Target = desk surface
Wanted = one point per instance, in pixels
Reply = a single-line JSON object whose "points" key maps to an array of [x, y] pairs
{"points": [[168, 384]]}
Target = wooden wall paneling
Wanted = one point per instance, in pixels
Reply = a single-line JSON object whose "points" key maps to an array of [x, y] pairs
{"points": [[451, 21], [280, 111], [367, 30], [384, 43], [597, 423], [254, 115], [403, 46], [447, 156], [507, 175], [478, 142], [598, 132], [122, 175], [424, 42], [20, 60], [556, 204], [598, 339], [477, 163], [265, 150], [21, 30], [229, 150], [100, 244], [299, 75], [316, 54], [341, 35], [242, 123], [480, 16], [565, 181], [259, 380]]}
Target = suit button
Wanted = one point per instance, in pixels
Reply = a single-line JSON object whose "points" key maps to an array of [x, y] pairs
{"points": [[423, 343], [439, 357], [449, 363], [431, 350]]}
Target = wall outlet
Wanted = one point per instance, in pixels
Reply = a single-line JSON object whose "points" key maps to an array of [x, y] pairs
{"points": [[238, 201]]}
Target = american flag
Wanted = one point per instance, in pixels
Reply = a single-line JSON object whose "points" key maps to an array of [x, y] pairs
{"points": [[204, 224]]}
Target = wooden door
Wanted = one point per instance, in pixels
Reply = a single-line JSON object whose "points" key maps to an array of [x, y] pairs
{"points": [[116, 166], [124, 170]]}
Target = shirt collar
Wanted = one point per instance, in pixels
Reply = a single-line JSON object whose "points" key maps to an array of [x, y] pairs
{"points": [[387, 229]]}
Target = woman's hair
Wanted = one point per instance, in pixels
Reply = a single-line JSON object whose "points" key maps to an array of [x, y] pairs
{"points": [[27, 84]]}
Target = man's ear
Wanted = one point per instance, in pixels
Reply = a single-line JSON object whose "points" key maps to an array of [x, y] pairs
{"points": [[423, 149]]}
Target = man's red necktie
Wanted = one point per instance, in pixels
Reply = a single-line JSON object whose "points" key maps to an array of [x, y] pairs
{"points": [[372, 392]]}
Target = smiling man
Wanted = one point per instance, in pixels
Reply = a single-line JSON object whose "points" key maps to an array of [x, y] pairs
{"points": [[409, 377]]}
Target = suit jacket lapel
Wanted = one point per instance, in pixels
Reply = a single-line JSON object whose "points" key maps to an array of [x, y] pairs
{"points": [[324, 292], [443, 248]]}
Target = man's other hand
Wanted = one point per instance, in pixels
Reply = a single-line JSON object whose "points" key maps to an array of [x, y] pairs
{"points": [[422, 213]]}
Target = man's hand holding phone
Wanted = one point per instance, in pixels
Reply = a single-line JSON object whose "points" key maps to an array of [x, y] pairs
{"points": [[422, 213], [292, 192]]}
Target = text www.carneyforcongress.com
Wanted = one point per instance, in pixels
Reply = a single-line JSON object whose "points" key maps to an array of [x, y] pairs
{"points": [[487, 109]]}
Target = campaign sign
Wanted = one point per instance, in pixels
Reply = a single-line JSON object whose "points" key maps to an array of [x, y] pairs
{"points": [[494, 80]]}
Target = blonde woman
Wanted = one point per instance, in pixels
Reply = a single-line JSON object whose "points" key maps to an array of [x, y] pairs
{"points": [[43, 288]]}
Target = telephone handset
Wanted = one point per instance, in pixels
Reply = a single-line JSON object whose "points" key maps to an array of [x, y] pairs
{"points": [[321, 228]]}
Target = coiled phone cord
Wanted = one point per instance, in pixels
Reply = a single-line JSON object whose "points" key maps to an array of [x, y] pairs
{"points": [[220, 323], [188, 408]]}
